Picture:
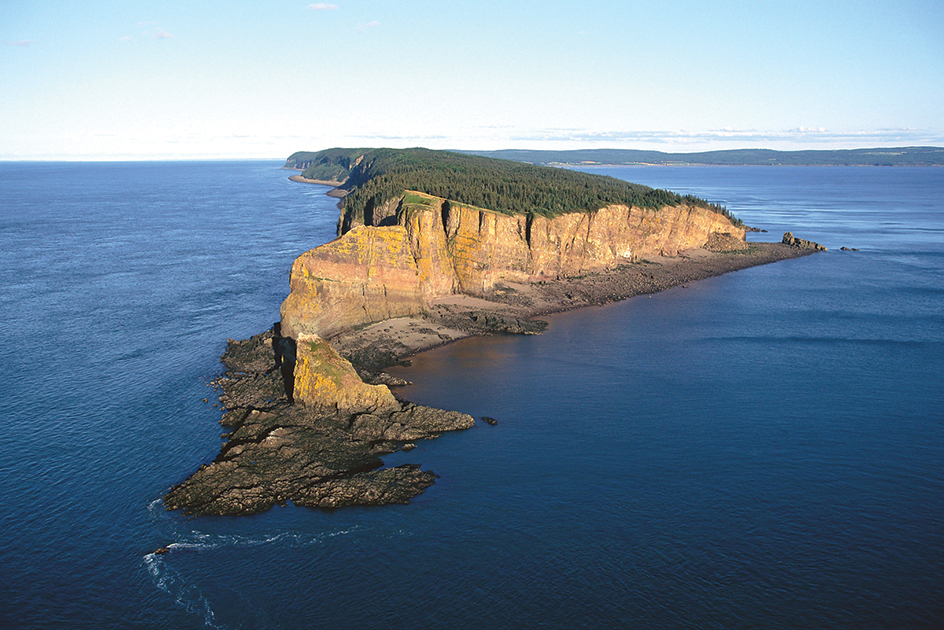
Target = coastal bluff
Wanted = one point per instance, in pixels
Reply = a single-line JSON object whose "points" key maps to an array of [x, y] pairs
{"points": [[420, 248], [308, 407]]}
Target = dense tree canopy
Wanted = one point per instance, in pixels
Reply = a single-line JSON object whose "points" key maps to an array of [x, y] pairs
{"points": [[374, 176]]}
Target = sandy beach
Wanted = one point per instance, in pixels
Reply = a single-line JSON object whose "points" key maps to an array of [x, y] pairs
{"points": [[334, 192]]}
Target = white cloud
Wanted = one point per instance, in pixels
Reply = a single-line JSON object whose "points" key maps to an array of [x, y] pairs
{"points": [[322, 7], [363, 28], [160, 33], [24, 43], [126, 38]]}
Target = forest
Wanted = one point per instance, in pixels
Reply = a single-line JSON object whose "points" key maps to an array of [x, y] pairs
{"points": [[373, 176]]}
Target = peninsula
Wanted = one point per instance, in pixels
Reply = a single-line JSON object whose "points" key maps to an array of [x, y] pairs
{"points": [[432, 246]]}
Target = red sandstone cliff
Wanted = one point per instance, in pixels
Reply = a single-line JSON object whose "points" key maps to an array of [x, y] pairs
{"points": [[438, 247]]}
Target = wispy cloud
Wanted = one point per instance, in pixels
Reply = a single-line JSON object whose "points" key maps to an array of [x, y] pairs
{"points": [[322, 7], [363, 28], [160, 33], [805, 135], [126, 38], [23, 43], [396, 137]]}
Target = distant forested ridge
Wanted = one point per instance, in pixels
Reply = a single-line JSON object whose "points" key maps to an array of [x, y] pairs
{"points": [[374, 176], [900, 156]]}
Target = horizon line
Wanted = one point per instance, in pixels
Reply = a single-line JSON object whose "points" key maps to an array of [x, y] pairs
{"points": [[159, 158]]}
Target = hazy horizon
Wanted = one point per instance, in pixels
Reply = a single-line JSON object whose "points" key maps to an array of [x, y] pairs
{"points": [[283, 158], [242, 80]]}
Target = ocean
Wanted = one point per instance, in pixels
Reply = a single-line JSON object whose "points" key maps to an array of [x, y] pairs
{"points": [[763, 449]]}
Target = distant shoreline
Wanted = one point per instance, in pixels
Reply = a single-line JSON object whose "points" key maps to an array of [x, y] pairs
{"points": [[687, 164], [336, 192], [880, 156]]}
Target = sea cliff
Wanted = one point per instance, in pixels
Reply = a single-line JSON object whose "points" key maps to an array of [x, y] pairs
{"points": [[429, 247], [308, 405]]}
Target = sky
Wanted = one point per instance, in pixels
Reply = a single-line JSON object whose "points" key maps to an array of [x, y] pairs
{"points": [[135, 79]]}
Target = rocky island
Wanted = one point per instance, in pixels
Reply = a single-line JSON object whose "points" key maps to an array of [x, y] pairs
{"points": [[432, 246]]}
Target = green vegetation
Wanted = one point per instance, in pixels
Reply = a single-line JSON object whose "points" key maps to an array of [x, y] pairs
{"points": [[411, 198], [374, 176], [332, 165]]}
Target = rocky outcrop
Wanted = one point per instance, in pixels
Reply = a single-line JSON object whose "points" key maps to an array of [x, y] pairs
{"points": [[724, 242], [326, 381], [433, 247], [790, 239], [323, 451]]}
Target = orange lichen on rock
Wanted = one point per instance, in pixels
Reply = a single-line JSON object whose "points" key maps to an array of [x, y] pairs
{"points": [[323, 378]]}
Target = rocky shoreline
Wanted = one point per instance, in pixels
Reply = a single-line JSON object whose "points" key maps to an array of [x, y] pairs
{"points": [[514, 308], [325, 451], [316, 455], [334, 192]]}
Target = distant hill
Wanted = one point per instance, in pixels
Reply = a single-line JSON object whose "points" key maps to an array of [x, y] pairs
{"points": [[899, 156]]}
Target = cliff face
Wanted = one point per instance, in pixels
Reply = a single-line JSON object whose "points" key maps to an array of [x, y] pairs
{"points": [[438, 248], [367, 275]]}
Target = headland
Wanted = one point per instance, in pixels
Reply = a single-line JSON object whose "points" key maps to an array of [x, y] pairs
{"points": [[418, 264]]}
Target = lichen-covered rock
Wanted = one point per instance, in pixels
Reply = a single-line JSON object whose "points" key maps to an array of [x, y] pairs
{"points": [[324, 379]]}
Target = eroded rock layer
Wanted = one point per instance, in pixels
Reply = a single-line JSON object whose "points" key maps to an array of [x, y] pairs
{"points": [[430, 247]]}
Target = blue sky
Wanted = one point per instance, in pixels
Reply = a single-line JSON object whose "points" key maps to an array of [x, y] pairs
{"points": [[156, 80]]}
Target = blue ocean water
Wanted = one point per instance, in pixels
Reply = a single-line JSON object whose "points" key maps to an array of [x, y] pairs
{"points": [[762, 449]]}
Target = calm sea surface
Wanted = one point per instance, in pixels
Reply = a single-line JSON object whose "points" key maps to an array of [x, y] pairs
{"points": [[760, 450]]}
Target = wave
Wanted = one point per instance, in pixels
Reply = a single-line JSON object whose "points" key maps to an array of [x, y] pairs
{"points": [[202, 541], [185, 593], [184, 589]]}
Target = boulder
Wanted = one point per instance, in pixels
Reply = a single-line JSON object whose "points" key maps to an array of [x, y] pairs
{"points": [[790, 239], [324, 379]]}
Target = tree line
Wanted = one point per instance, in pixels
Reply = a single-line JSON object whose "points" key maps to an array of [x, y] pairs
{"points": [[503, 186]]}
